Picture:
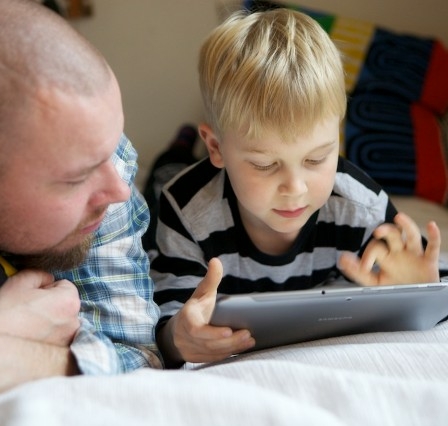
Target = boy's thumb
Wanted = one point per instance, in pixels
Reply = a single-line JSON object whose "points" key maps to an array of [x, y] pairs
{"points": [[209, 285]]}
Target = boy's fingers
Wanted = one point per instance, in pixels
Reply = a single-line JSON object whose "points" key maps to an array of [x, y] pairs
{"points": [[432, 251], [393, 238], [375, 253], [351, 267], [411, 232]]}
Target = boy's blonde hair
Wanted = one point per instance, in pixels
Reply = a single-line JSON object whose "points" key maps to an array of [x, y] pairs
{"points": [[275, 70]]}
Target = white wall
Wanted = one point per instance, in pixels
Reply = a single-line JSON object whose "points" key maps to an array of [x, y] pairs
{"points": [[152, 46]]}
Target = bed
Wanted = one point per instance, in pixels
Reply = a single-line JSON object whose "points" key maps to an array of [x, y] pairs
{"points": [[394, 378], [398, 378]]}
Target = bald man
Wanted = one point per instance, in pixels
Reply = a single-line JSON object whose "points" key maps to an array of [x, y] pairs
{"points": [[75, 297]]}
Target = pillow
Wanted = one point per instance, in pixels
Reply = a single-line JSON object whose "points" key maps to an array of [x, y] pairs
{"points": [[399, 144]]}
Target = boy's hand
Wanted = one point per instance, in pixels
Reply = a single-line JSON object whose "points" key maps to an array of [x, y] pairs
{"points": [[191, 338], [398, 254]]}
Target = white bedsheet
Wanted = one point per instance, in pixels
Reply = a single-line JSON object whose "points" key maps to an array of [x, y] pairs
{"points": [[382, 379]]}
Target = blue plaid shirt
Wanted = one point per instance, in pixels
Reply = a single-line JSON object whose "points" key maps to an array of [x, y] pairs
{"points": [[118, 314]]}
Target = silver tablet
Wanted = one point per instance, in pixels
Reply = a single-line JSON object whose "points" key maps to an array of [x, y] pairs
{"points": [[280, 318]]}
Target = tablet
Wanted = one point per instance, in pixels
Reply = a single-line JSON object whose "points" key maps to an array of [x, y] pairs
{"points": [[281, 318]]}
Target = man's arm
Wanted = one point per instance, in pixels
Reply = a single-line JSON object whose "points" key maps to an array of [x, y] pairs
{"points": [[24, 360], [118, 314], [38, 319]]}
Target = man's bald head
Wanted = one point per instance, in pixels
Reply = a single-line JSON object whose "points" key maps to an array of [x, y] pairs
{"points": [[40, 51], [38, 45]]}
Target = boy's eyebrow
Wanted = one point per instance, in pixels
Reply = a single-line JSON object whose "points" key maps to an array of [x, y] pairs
{"points": [[256, 150], [325, 145]]}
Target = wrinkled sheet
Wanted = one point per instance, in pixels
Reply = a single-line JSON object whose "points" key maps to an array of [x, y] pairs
{"points": [[369, 379]]}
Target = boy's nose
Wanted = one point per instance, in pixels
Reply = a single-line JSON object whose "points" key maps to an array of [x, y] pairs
{"points": [[293, 184]]}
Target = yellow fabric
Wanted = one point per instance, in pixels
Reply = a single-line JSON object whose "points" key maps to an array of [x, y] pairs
{"points": [[353, 38], [8, 268]]}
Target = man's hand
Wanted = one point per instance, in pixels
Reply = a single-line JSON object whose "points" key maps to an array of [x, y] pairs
{"points": [[398, 254], [36, 307], [188, 336]]}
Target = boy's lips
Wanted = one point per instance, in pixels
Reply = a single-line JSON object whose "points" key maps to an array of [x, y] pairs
{"points": [[290, 213]]}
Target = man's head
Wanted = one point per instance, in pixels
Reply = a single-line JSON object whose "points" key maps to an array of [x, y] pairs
{"points": [[276, 71], [60, 121]]}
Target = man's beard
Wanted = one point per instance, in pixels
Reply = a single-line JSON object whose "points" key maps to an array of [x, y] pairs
{"points": [[56, 261]]}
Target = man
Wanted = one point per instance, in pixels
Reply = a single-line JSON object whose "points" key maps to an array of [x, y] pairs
{"points": [[71, 219]]}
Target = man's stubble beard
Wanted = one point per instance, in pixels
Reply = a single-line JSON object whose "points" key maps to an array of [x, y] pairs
{"points": [[56, 261]]}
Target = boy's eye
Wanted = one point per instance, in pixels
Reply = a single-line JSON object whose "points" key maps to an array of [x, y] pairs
{"points": [[262, 167], [315, 161]]}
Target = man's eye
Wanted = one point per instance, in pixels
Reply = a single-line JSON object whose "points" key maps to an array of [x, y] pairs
{"points": [[76, 182]]}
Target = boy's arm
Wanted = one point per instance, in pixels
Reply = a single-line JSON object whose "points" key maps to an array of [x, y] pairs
{"points": [[185, 297], [187, 336]]}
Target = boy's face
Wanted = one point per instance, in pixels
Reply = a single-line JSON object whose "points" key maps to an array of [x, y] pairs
{"points": [[278, 184]]}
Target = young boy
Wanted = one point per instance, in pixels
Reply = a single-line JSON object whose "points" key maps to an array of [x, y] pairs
{"points": [[273, 207]]}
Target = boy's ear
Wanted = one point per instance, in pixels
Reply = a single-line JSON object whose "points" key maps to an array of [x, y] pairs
{"points": [[212, 143]]}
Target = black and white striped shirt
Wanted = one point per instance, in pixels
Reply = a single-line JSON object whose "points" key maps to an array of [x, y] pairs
{"points": [[199, 220]]}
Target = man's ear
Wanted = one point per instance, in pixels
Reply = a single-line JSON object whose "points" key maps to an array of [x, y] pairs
{"points": [[212, 143]]}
